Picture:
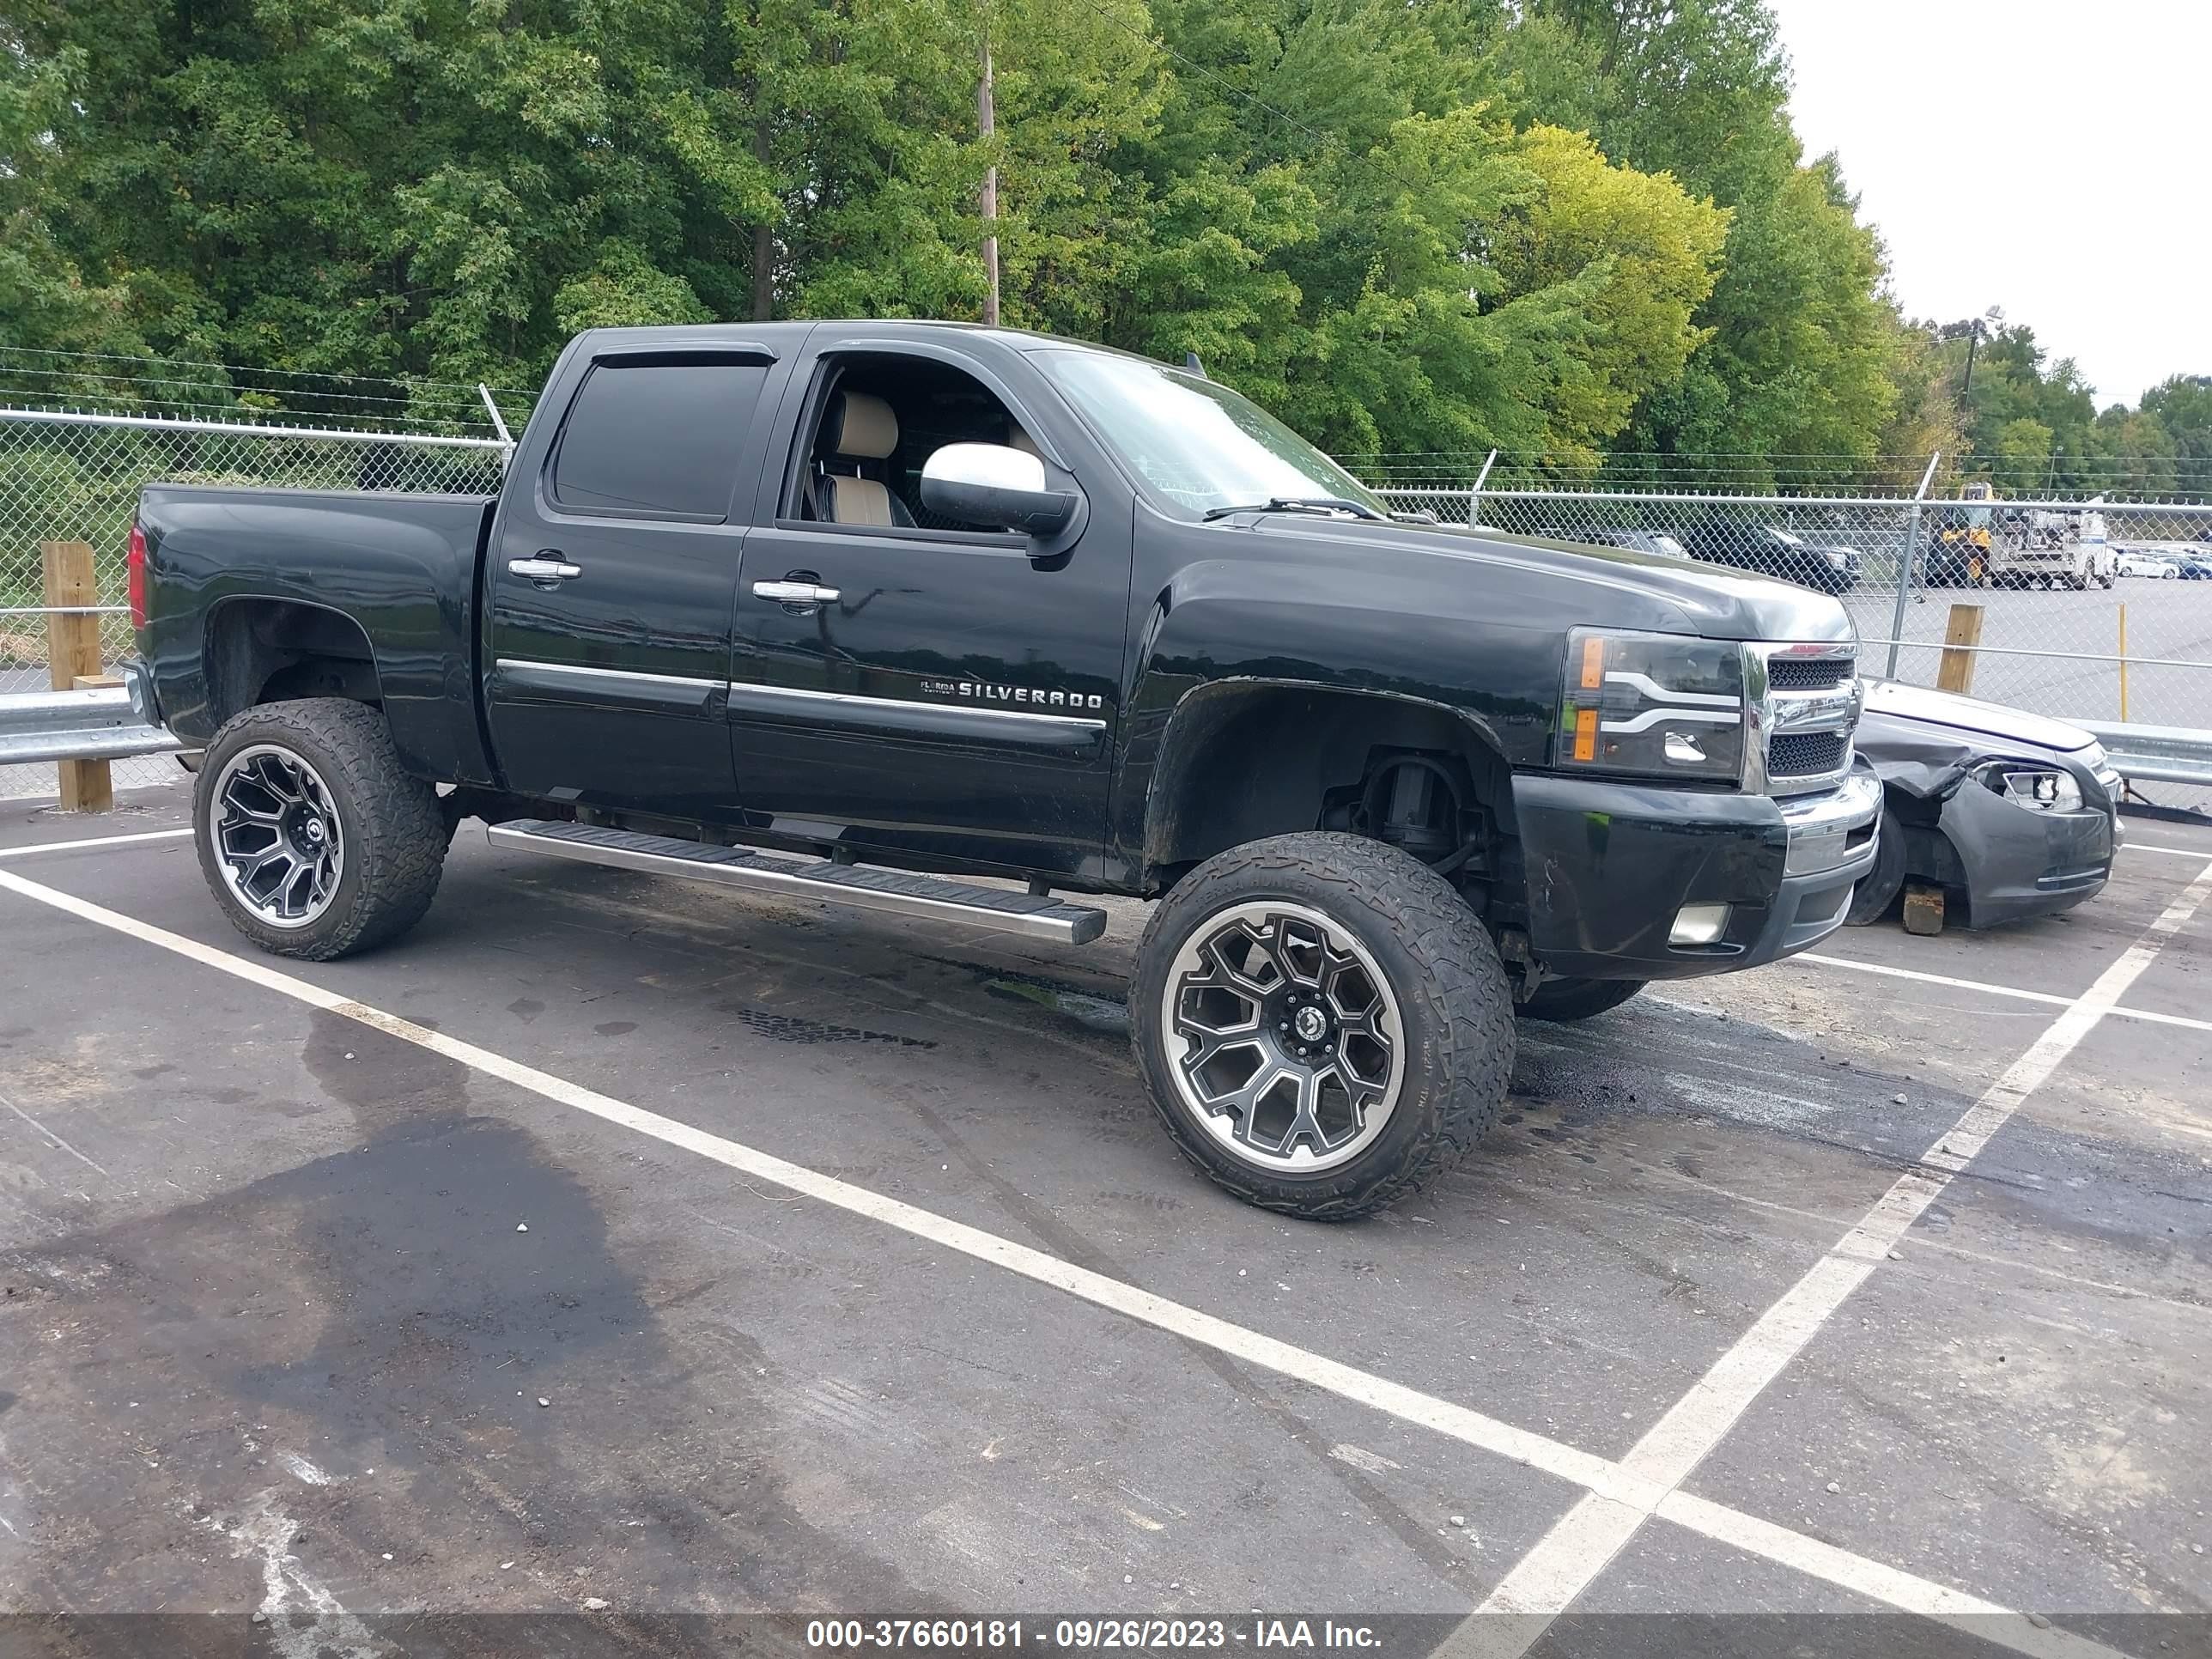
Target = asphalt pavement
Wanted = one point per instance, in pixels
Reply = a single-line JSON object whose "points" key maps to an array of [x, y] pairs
{"points": [[609, 1253], [2073, 636]]}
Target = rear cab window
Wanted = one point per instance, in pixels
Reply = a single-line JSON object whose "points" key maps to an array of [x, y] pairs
{"points": [[657, 437]]}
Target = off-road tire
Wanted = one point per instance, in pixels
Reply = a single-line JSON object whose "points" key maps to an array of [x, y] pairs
{"points": [[394, 833], [1567, 1000], [1876, 893], [1453, 1001]]}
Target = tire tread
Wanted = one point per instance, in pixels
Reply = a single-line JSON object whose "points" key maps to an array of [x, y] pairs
{"points": [[1466, 989], [399, 841]]}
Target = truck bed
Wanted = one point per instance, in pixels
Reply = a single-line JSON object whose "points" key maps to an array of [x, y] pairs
{"points": [[402, 567]]}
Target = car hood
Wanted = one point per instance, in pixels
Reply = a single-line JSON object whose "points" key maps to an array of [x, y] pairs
{"points": [[1894, 709], [1600, 587]]}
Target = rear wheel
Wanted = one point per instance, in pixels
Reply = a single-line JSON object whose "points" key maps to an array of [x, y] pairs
{"points": [[1321, 1022], [1564, 999], [313, 838]]}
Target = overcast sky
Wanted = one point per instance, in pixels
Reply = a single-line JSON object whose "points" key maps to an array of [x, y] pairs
{"points": [[2044, 155]]}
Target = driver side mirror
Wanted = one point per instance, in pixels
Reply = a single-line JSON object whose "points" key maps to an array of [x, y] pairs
{"points": [[996, 486]]}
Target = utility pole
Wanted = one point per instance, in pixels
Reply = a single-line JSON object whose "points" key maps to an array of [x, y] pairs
{"points": [[763, 234], [986, 125], [1976, 330]]}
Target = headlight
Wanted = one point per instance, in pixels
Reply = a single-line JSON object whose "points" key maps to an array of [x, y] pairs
{"points": [[1658, 705], [1836, 560], [2039, 788]]}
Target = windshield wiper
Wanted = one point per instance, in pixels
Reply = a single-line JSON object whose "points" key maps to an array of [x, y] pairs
{"points": [[1299, 504]]}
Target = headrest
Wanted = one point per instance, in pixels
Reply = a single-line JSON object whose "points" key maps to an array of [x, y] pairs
{"points": [[862, 427]]}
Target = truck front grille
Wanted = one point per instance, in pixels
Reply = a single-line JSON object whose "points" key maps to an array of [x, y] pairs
{"points": [[1807, 754], [1808, 673], [1807, 714]]}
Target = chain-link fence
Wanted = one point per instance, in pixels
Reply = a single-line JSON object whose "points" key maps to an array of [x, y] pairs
{"points": [[2097, 609], [76, 477]]}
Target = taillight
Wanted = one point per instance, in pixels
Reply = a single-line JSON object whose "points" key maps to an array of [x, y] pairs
{"points": [[135, 562]]}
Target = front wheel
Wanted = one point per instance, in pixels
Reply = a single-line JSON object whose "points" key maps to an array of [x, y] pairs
{"points": [[1878, 889], [1565, 1000], [1321, 1022], [313, 840]]}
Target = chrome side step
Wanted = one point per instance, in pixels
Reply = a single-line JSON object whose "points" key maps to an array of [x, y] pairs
{"points": [[863, 887]]}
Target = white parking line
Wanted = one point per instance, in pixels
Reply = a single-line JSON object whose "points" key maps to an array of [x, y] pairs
{"points": [[89, 840], [1563, 1562], [2117, 1011], [1934, 979], [1905, 1590], [1625, 1492], [2170, 852]]}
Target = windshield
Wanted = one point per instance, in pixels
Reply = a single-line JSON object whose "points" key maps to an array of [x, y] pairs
{"points": [[1786, 538], [1199, 444]]}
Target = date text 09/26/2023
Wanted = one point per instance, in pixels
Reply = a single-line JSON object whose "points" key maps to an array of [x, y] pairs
{"points": [[1088, 1634]]}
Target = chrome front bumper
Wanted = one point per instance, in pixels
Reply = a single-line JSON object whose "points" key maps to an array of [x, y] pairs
{"points": [[1834, 828]]}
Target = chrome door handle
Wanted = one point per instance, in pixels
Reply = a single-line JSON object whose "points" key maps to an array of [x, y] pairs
{"points": [[545, 570], [789, 592]]}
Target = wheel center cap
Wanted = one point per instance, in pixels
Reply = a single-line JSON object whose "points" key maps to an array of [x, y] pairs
{"points": [[315, 831], [1311, 1023]]}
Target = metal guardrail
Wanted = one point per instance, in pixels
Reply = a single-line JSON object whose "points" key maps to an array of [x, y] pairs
{"points": [[96, 724], [2155, 754]]}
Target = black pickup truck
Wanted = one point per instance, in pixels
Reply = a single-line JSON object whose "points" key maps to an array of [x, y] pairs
{"points": [[876, 612]]}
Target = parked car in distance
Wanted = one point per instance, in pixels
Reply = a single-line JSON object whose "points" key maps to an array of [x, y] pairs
{"points": [[1770, 550], [2130, 562], [2010, 814], [1657, 542], [905, 604], [2188, 561]]}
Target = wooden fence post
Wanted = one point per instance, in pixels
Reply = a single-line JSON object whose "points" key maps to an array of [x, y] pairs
{"points": [[1956, 670], [73, 654]]}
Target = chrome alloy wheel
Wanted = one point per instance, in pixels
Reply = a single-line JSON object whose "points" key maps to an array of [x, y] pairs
{"points": [[276, 835], [1282, 1036]]}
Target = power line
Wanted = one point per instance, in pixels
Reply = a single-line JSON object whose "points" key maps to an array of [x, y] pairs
{"points": [[8, 371], [462, 386], [95, 402]]}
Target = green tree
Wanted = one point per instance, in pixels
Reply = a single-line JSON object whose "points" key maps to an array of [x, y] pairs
{"points": [[44, 297], [1638, 256], [2133, 451], [2182, 408], [1800, 342], [2018, 456]]}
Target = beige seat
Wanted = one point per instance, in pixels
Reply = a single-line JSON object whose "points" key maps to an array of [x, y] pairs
{"points": [[860, 427]]}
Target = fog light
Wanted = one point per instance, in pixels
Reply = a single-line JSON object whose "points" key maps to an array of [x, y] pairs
{"points": [[1699, 924]]}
